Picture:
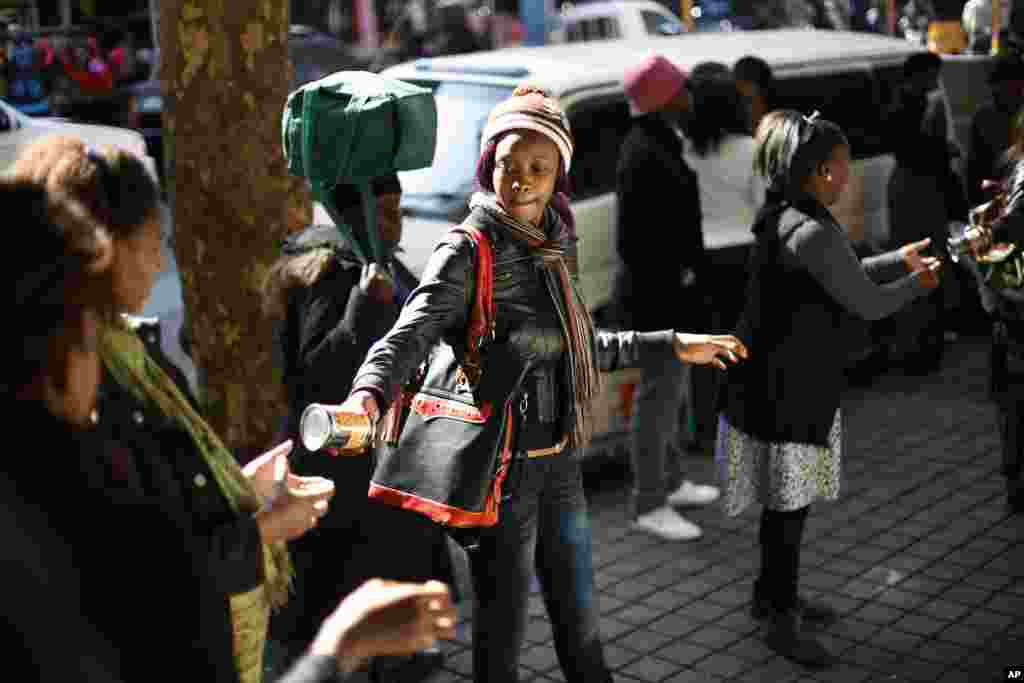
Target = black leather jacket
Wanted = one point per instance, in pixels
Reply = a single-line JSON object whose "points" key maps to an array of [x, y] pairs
{"points": [[525, 355]]}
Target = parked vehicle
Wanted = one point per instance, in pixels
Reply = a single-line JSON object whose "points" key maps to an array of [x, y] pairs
{"points": [[606, 19], [849, 77], [17, 130]]}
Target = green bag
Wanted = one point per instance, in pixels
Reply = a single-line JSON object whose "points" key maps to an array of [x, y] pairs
{"points": [[351, 127]]}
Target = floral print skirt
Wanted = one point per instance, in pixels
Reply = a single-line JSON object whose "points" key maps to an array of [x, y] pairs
{"points": [[780, 476]]}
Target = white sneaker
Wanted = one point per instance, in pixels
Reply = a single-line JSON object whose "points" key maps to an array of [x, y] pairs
{"points": [[693, 494], [667, 524]]}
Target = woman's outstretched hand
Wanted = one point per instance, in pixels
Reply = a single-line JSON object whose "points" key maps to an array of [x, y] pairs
{"points": [[362, 401], [705, 349], [914, 262], [386, 618]]}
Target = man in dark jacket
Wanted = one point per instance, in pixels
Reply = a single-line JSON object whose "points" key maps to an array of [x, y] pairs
{"points": [[664, 272]]}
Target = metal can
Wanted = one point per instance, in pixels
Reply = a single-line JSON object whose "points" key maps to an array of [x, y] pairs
{"points": [[327, 426]]}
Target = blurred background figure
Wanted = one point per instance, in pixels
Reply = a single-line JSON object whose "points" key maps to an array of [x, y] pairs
{"points": [[925, 195], [977, 23], [452, 34], [756, 84], [26, 81], [660, 286], [991, 125]]}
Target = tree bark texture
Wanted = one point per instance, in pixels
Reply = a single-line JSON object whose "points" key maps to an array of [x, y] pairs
{"points": [[225, 75]]}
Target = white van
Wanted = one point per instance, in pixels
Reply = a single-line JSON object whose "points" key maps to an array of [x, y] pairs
{"points": [[613, 19], [849, 77]]}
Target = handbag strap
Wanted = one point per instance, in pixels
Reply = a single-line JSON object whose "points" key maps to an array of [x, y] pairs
{"points": [[479, 329], [481, 312]]}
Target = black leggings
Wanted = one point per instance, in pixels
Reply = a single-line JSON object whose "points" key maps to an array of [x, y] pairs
{"points": [[781, 534]]}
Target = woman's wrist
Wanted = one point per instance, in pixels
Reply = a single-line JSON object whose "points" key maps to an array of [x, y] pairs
{"points": [[336, 641]]}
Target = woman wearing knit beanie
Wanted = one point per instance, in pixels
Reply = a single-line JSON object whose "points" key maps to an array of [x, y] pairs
{"points": [[544, 361]]}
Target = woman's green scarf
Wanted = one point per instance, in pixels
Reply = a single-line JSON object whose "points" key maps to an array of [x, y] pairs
{"points": [[126, 358]]}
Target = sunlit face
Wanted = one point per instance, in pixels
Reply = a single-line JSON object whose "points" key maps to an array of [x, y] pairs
{"points": [[138, 260], [525, 173]]}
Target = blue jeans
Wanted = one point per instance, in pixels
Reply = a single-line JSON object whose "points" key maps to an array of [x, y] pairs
{"points": [[656, 460], [543, 526]]}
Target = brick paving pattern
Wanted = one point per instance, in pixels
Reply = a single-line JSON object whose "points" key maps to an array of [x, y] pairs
{"points": [[919, 555]]}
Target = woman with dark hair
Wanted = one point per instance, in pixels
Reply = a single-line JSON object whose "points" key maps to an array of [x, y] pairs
{"points": [[780, 431], [543, 358], [91, 596], [722, 152], [156, 442]]}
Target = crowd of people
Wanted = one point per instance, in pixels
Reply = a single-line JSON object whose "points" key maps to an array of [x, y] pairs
{"points": [[260, 572], [66, 74]]}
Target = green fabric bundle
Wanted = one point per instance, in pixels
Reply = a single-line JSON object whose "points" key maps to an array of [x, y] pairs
{"points": [[351, 127]]}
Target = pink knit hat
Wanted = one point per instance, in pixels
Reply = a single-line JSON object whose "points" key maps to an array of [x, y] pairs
{"points": [[651, 84]]}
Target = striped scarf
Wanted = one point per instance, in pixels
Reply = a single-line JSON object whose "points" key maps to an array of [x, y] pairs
{"points": [[546, 244]]}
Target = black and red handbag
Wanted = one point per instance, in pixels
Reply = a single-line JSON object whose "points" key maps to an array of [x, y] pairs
{"points": [[447, 444]]}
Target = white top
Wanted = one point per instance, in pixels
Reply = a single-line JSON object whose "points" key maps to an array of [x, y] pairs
{"points": [[730, 191]]}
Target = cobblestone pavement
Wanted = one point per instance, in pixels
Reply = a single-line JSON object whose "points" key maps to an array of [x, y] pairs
{"points": [[919, 555]]}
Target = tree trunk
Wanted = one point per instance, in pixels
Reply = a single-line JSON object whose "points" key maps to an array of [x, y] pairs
{"points": [[225, 75]]}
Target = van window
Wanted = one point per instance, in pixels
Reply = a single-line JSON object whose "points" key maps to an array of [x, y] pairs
{"points": [[659, 25], [598, 130], [599, 28], [854, 99]]}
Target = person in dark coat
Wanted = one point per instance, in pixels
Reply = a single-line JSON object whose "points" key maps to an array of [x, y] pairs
{"points": [[329, 309], [663, 261], [529, 402], [91, 599], [74, 572], [924, 196], [991, 125], [155, 445], [1006, 384]]}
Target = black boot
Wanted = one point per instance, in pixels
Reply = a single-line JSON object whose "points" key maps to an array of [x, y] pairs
{"points": [[785, 635], [814, 613]]}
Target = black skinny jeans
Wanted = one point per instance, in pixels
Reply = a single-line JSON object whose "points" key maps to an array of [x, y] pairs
{"points": [[781, 535], [543, 526]]}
